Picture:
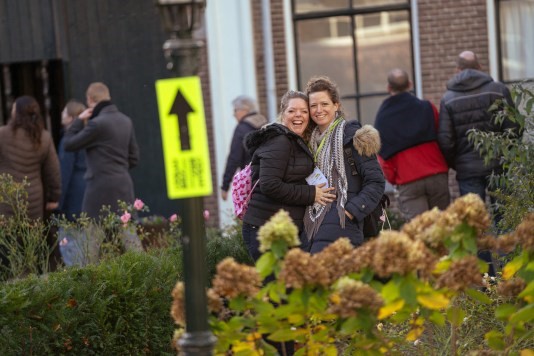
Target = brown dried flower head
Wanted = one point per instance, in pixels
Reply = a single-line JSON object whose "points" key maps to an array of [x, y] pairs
{"points": [[350, 296], [511, 288], [395, 252], [468, 208], [524, 233], [279, 227], [215, 303], [233, 279], [462, 274], [336, 259], [178, 304], [505, 243], [299, 270], [420, 228]]}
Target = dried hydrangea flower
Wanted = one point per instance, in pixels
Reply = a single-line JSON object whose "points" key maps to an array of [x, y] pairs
{"points": [[421, 228], [462, 274], [334, 259], [178, 304], [524, 233], [279, 227], [300, 269], [395, 252], [215, 303], [351, 296], [233, 279], [468, 208], [511, 288]]}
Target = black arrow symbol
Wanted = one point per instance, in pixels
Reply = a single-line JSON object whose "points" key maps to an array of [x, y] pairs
{"points": [[181, 108]]}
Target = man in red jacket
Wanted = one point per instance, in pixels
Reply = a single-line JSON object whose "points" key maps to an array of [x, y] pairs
{"points": [[410, 156]]}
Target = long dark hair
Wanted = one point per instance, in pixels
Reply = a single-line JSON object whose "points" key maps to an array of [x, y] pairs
{"points": [[27, 116]]}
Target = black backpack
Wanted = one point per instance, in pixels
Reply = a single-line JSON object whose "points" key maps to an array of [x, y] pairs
{"points": [[374, 222]]}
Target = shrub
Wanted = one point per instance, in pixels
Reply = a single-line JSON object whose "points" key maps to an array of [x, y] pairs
{"points": [[118, 307]]}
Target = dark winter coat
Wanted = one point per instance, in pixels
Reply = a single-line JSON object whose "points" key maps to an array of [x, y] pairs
{"points": [[40, 166], [464, 106], [281, 161], [72, 181], [239, 156], [363, 192], [111, 150]]}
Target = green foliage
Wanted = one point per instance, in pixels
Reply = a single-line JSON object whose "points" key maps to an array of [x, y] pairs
{"points": [[225, 243], [515, 186], [120, 307], [344, 301], [23, 246]]}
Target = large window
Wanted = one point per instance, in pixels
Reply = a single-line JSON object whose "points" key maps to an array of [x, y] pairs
{"points": [[356, 43], [516, 25]]}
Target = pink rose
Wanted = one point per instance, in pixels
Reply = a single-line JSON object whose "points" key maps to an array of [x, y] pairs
{"points": [[206, 215], [173, 218], [138, 204], [125, 217]]}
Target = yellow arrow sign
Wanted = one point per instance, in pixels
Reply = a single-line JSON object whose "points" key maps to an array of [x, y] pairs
{"points": [[184, 137]]}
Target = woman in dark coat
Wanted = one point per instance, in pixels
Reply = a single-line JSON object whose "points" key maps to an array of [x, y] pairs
{"points": [[346, 154], [281, 161], [27, 151]]}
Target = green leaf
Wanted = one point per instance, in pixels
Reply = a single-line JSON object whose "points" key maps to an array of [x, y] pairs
{"points": [[455, 316], [390, 291], [478, 296], [495, 340], [408, 292], [512, 267], [437, 318], [286, 334], [265, 264], [528, 291], [279, 248], [525, 314], [504, 311]]}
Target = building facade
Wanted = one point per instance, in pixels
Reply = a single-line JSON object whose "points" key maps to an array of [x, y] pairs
{"points": [[53, 49], [356, 43]]}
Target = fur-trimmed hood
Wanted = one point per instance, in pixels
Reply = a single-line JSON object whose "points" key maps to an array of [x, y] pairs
{"points": [[257, 138], [366, 139]]}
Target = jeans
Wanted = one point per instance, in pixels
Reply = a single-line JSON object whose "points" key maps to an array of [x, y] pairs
{"points": [[478, 186], [250, 236]]}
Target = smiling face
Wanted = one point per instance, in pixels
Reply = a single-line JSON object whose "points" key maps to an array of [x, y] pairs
{"points": [[296, 116], [322, 109]]}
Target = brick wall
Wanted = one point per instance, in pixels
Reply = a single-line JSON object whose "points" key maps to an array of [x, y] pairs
{"points": [[448, 27], [279, 50], [210, 203]]}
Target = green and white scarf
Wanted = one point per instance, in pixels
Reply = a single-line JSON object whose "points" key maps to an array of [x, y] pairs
{"points": [[327, 148]]}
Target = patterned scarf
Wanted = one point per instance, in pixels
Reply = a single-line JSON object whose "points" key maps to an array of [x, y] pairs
{"points": [[330, 160]]}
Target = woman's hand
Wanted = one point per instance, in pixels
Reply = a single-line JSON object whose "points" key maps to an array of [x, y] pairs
{"points": [[323, 195], [51, 205]]}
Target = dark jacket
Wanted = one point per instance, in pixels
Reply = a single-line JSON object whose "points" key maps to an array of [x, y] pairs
{"points": [[72, 182], [464, 106], [363, 192], [281, 161], [111, 150], [238, 156]]}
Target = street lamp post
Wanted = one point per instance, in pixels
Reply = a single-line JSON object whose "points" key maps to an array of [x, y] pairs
{"points": [[181, 50]]}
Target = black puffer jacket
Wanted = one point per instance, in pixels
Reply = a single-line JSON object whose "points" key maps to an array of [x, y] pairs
{"points": [[463, 107], [281, 161], [364, 189]]}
